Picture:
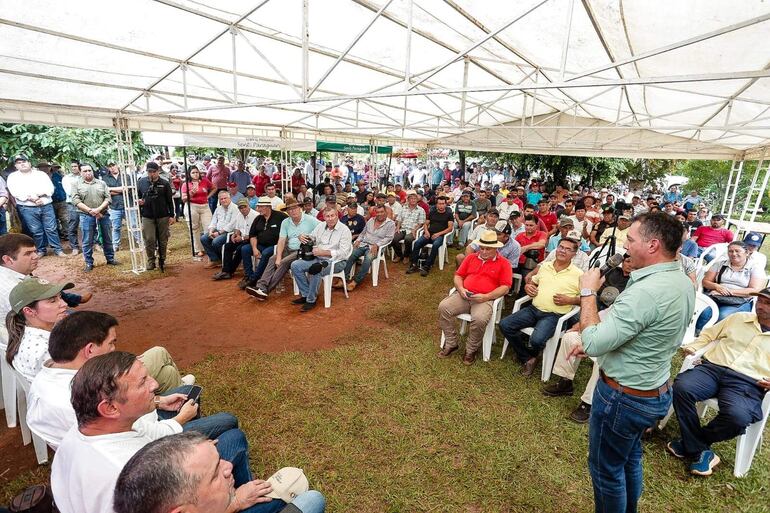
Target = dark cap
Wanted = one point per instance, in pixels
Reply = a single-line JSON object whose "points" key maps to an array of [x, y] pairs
{"points": [[718, 217], [381, 195], [152, 166], [19, 157], [331, 198], [307, 201], [607, 210], [752, 239], [765, 293], [493, 211], [42, 164]]}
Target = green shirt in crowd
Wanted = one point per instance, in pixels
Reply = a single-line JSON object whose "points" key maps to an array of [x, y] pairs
{"points": [[91, 193], [644, 327]]}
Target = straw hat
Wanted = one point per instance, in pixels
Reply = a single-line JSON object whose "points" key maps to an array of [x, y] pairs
{"points": [[488, 239]]}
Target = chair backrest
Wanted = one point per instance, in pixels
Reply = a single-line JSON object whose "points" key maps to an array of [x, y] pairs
{"points": [[701, 273], [714, 252], [702, 303]]}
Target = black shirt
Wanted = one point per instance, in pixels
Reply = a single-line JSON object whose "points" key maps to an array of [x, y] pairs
{"points": [[157, 196], [691, 226], [600, 227], [266, 231], [355, 224], [437, 221]]}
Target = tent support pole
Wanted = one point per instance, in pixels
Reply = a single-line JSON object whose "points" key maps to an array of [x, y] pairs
{"points": [[189, 204]]}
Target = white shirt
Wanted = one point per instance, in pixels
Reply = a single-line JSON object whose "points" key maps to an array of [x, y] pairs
{"points": [[86, 468], [477, 231], [338, 240], [224, 219], [505, 210], [396, 207], [32, 183], [69, 182], [758, 260], [50, 414], [579, 225], [275, 201], [498, 179], [33, 351], [244, 223]]}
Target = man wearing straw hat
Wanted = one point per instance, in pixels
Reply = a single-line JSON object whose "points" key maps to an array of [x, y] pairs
{"points": [[481, 278]]}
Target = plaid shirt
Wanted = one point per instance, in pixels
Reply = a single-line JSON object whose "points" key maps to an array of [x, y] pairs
{"points": [[411, 218]]}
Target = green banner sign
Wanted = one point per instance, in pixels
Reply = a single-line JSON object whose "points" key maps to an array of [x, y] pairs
{"points": [[352, 148]]}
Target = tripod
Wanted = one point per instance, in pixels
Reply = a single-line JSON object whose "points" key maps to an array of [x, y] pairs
{"points": [[608, 244]]}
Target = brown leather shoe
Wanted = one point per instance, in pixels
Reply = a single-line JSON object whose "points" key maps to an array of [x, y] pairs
{"points": [[444, 353], [529, 367], [352, 285], [85, 297], [468, 359], [212, 265]]}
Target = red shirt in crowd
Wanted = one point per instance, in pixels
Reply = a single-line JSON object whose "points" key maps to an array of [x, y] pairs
{"points": [[199, 193], [401, 196], [524, 240], [219, 176], [549, 219], [260, 182], [296, 182], [483, 276], [708, 236], [424, 206]]}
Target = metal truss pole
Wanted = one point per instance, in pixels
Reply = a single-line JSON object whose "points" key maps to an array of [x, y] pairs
{"points": [[755, 194], [131, 198]]}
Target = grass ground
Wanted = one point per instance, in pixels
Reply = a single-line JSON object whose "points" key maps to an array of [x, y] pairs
{"points": [[379, 424]]}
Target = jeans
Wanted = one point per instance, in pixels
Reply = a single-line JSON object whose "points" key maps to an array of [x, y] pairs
{"points": [[232, 256], [361, 251], [3, 222], [88, 225], [724, 311], [690, 249], [308, 283], [116, 217], [420, 243], [615, 431], [72, 228], [213, 247], [41, 223], [528, 317], [739, 398], [255, 274]]}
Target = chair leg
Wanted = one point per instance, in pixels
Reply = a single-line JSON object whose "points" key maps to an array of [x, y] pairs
{"points": [[344, 286], [9, 391], [441, 257], [505, 348], [443, 340], [375, 268], [385, 267], [549, 357], [21, 398], [489, 338], [294, 283], [746, 447], [326, 283], [463, 325], [41, 449]]}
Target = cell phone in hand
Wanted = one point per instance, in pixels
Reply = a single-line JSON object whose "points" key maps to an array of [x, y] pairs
{"points": [[468, 293], [195, 393]]}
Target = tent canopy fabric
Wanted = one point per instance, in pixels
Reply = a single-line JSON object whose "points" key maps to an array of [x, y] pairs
{"points": [[683, 79]]}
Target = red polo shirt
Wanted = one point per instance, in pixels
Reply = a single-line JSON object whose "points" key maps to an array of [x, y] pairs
{"points": [[523, 240], [548, 219], [708, 236], [483, 276]]}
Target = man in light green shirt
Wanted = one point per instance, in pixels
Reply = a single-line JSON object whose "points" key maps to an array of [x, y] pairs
{"points": [[634, 345], [92, 197]]}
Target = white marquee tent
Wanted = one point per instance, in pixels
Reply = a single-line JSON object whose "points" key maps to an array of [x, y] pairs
{"points": [[676, 79]]}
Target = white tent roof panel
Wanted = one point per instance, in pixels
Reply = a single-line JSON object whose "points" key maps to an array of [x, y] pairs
{"points": [[686, 78]]}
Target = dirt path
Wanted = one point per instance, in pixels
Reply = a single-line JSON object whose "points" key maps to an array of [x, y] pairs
{"points": [[194, 317]]}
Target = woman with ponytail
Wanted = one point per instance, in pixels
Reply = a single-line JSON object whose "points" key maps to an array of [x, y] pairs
{"points": [[36, 306]]}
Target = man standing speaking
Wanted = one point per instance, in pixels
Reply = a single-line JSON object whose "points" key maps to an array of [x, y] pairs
{"points": [[634, 345]]}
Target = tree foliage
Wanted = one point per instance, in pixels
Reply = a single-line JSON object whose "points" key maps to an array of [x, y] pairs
{"points": [[61, 144]]}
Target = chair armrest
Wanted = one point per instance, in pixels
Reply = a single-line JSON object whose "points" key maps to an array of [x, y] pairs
{"points": [[690, 360], [519, 303], [565, 317]]}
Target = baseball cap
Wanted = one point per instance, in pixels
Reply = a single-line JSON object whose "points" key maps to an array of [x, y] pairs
{"points": [[718, 216], [19, 157], [351, 195], [764, 293], [627, 218], [566, 221], [307, 201], [574, 236], [752, 239], [152, 166], [42, 164], [608, 210], [503, 227], [33, 289], [287, 483], [331, 199], [251, 186], [242, 203]]}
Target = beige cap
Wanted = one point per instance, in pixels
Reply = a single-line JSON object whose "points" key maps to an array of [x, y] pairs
{"points": [[287, 483]]}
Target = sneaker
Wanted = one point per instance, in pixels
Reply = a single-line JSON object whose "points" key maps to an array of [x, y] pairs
{"points": [[705, 464], [41, 254], [113, 262], [299, 301], [581, 414], [74, 251], [188, 379], [412, 269], [150, 265], [88, 268], [221, 276], [243, 283], [676, 448], [257, 293], [560, 388], [307, 307], [61, 254]]}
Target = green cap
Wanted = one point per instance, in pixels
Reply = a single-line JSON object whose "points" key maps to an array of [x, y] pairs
{"points": [[33, 289]]}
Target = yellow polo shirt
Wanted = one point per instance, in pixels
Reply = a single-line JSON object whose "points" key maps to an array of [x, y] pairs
{"points": [[550, 282], [741, 345]]}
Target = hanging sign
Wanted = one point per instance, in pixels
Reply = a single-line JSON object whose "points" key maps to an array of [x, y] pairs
{"points": [[221, 141], [352, 148]]}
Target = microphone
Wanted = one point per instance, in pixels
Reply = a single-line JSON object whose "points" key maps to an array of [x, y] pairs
{"points": [[611, 263]]}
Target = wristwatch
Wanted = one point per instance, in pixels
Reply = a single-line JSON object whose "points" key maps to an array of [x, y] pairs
{"points": [[587, 292]]}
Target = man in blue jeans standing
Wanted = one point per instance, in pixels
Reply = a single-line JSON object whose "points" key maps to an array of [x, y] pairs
{"points": [[332, 241], [438, 224], [33, 191], [634, 345], [92, 197]]}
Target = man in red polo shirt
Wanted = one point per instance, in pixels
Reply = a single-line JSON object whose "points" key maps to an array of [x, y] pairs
{"points": [[480, 279], [549, 218], [706, 236], [531, 239]]}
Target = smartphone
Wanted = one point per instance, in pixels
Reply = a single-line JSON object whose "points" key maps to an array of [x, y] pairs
{"points": [[195, 393], [469, 294]]}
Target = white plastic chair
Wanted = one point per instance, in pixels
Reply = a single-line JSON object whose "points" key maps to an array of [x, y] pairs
{"points": [[326, 284], [443, 253], [9, 387], [748, 443], [717, 251], [22, 389], [702, 303], [381, 258], [489, 333], [551, 347]]}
